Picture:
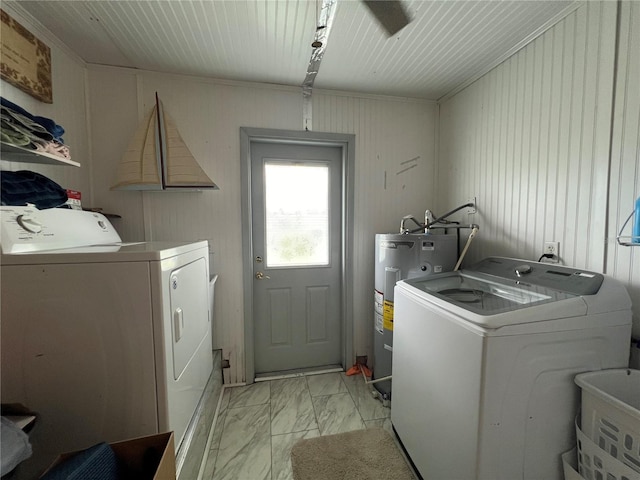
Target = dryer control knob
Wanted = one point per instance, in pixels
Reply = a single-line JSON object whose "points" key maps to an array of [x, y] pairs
{"points": [[29, 223]]}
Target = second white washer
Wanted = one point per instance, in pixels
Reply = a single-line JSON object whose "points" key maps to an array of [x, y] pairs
{"points": [[484, 361]]}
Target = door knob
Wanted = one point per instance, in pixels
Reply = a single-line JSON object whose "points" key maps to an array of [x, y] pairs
{"points": [[262, 276]]}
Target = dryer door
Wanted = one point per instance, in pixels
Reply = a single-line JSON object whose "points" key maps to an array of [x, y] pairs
{"points": [[189, 311]]}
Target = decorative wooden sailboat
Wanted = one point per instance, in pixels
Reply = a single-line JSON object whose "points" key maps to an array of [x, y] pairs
{"points": [[158, 159]]}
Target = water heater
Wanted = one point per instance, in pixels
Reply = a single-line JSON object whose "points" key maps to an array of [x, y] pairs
{"points": [[400, 256]]}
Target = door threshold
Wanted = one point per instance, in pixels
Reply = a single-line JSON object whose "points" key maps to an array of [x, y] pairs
{"points": [[299, 372]]}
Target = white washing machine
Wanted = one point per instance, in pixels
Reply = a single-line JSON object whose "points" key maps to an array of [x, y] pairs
{"points": [[484, 361], [105, 341]]}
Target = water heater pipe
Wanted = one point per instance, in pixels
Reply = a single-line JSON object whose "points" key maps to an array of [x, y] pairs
{"points": [[429, 220], [404, 230], [446, 215], [370, 382], [472, 235]]}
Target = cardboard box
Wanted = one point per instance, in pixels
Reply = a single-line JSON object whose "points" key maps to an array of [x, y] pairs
{"points": [[134, 457]]}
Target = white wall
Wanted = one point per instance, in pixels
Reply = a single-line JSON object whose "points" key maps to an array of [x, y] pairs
{"points": [[624, 184], [531, 140], [209, 115], [68, 109], [390, 132]]}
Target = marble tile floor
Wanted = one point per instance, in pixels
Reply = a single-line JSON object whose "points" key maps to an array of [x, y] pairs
{"points": [[258, 424]]}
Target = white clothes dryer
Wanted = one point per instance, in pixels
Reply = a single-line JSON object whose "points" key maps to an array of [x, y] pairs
{"points": [[105, 341], [484, 361]]}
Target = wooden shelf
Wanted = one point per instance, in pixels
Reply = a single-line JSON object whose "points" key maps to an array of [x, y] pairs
{"points": [[13, 153]]}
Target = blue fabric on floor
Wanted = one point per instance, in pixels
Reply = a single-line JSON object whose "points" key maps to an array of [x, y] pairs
{"points": [[96, 463]]}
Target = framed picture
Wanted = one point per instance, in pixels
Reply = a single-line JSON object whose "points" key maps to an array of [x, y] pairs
{"points": [[25, 60]]}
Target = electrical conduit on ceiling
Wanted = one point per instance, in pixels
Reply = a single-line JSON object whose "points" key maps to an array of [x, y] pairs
{"points": [[323, 27]]}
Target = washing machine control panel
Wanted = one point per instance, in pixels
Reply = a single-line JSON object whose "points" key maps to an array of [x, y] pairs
{"points": [[30, 222], [556, 277], [27, 229]]}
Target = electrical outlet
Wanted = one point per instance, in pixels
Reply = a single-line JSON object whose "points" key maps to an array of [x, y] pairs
{"points": [[552, 248]]}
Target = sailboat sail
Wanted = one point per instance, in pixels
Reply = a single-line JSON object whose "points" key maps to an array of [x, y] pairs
{"points": [[158, 159], [139, 167]]}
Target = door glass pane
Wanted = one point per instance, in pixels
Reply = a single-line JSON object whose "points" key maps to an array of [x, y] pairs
{"points": [[297, 214]]}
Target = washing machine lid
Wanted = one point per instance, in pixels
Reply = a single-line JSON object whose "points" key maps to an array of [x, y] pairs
{"points": [[485, 295], [549, 276], [518, 292]]}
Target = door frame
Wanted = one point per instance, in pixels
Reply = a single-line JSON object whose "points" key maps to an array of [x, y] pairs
{"points": [[346, 142]]}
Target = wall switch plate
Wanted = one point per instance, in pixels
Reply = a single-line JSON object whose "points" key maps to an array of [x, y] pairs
{"points": [[552, 248]]}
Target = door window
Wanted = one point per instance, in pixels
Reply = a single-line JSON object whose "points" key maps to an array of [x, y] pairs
{"points": [[296, 214]]}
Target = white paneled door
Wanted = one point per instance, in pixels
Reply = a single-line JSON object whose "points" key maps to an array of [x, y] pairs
{"points": [[296, 203]]}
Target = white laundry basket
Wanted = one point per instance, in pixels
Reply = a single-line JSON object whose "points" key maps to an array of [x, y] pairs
{"points": [[570, 465], [611, 413], [594, 463]]}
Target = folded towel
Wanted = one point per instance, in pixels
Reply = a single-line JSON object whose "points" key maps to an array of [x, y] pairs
{"points": [[18, 128], [57, 149], [11, 136], [17, 134], [23, 121], [52, 127]]}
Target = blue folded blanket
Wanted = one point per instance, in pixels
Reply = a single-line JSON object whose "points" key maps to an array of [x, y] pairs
{"points": [[22, 187]]}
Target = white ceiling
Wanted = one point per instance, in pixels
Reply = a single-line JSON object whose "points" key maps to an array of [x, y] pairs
{"points": [[447, 44]]}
